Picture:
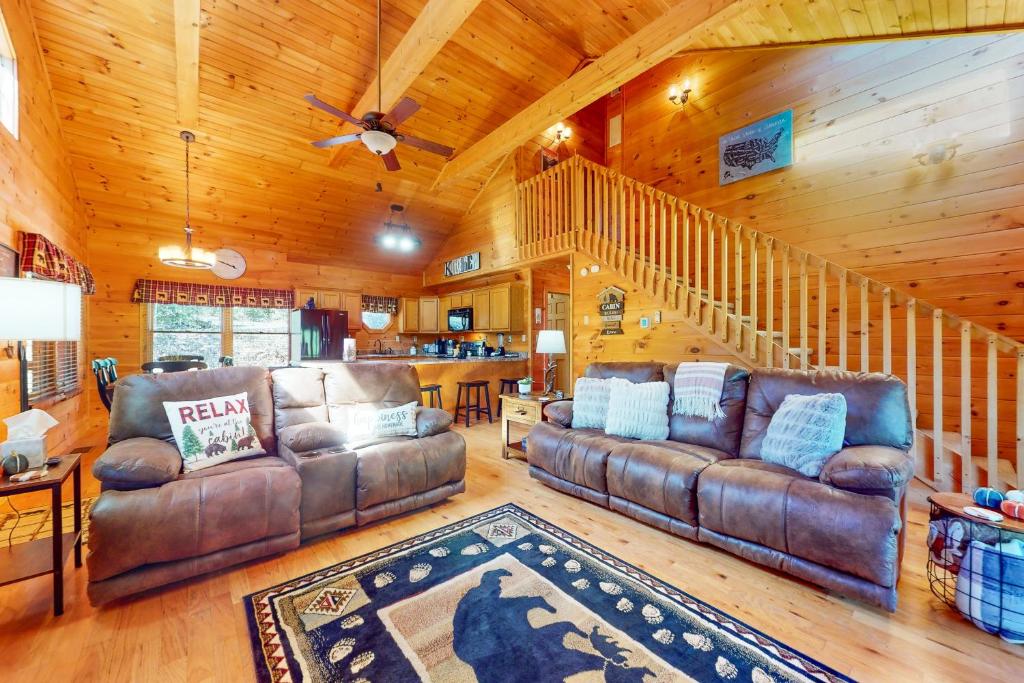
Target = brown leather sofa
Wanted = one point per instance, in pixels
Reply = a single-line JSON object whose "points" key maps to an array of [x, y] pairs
{"points": [[154, 524], [706, 482]]}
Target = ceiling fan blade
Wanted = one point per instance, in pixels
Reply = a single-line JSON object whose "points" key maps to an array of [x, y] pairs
{"points": [[334, 111], [401, 111], [427, 145], [391, 161], [336, 140]]}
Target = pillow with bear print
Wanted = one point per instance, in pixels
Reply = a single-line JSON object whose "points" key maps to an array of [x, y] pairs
{"points": [[209, 431]]}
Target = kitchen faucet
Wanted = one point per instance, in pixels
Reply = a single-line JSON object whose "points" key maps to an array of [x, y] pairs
{"points": [[379, 346]]}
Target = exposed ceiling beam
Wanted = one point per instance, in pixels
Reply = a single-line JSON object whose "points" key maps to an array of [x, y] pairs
{"points": [[186, 49], [433, 27], [651, 45]]}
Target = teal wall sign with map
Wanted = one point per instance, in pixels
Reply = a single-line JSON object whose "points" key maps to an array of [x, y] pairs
{"points": [[755, 149]]}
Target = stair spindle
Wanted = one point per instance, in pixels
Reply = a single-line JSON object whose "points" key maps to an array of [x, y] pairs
{"points": [[674, 212], [912, 367], [887, 331], [769, 302], [786, 308], [698, 257], [709, 323], [938, 446], [843, 320], [724, 228], [822, 315], [803, 312], [992, 410], [864, 324], [739, 288], [1020, 418], [753, 295], [967, 469], [663, 228]]}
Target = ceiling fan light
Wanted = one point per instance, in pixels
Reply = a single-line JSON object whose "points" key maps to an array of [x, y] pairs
{"points": [[406, 244], [388, 241], [378, 142]]}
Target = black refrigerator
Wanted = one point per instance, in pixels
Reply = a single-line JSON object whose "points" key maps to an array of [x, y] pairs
{"points": [[317, 334]]}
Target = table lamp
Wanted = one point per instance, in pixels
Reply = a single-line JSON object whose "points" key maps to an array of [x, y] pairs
{"points": [[549, 342], [38, 310]]}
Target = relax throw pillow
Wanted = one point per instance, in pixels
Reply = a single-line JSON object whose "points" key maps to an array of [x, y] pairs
{"points": [[367, 424], [590, 402], [638, 411], [210, 431], [805, 432]]}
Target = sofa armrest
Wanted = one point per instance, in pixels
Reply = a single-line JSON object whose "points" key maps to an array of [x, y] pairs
{"points": [[431, 421], [868, 468], [559, 412], [138, 463]]}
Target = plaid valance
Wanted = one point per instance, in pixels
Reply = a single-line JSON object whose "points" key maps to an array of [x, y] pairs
{"points": [[380, 304], [44, 259], [220, 296]]}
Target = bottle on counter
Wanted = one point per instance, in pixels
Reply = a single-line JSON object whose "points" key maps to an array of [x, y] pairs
{"points": [[412, 350]]}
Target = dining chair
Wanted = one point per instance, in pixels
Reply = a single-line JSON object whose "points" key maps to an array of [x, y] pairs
{"points": [[158, 366], [105, 370], [181, 356], [227, 361]]}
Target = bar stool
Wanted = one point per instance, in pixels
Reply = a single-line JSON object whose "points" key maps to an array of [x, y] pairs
{"points": [[470, 406], [432, 389], [509, 385]]}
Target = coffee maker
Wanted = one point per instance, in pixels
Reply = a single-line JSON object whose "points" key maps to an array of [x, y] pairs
{"points": [[501, 345]]}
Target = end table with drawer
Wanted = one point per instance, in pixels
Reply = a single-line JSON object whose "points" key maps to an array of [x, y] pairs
{"points": [[523, 409]]}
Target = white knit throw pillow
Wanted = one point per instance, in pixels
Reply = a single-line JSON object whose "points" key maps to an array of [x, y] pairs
{"points": [[590, 402], [805, 432], [638, 411]]}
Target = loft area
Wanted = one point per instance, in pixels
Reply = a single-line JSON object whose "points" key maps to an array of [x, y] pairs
{"points": [[348, 318]]}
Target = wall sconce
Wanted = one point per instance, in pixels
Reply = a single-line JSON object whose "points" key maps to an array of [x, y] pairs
{"points": [[562, 132], [679, 96], [937, 152]]}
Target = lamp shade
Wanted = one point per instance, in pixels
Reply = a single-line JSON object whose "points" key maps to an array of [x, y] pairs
{"points": [[551, 341], [39, 310]]}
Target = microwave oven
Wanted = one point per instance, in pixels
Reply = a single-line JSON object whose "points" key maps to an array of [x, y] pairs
{"points": [[460, 319]]}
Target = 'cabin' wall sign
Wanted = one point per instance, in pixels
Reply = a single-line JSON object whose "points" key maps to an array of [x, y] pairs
{"points": [[755, 149], [463, 264], [611, 307]]}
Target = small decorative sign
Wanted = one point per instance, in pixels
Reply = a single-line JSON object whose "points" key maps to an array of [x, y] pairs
{"points": [[462, 264], [755, 149], [611, 309]]}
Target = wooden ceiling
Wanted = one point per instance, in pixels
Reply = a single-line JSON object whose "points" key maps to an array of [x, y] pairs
{"points": [[257, 181]]}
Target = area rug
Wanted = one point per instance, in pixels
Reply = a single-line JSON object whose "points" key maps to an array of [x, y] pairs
{"points": [[504, 597], [22, 526]]}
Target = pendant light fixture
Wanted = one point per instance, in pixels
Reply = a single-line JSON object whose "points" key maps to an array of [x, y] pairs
{"points": [[398, 236], [188, 257]]}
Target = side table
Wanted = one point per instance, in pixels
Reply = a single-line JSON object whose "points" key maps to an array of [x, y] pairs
{"points": [[524, 409], [46, 555]]}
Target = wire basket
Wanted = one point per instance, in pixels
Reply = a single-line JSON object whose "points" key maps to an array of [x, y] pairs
{"points": [[977, 568]]}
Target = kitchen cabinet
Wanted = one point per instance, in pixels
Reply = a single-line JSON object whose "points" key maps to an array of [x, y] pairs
{"points": [[429, 314], [447, 303], [409, 315], [353, 303], [481, 303], [508, 308], [304, 295], [328, 298]]}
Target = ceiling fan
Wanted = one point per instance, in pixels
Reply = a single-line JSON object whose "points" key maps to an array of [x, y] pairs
{"points": [[380, 134]]}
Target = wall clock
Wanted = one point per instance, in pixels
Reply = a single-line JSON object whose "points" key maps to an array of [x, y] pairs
{"points": [[230, 264]]}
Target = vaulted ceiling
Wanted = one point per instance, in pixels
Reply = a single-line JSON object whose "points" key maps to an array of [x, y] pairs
{"points": [[256, 179]]}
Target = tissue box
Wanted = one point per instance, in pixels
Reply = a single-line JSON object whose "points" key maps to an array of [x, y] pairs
{"points": [[34, 449]]}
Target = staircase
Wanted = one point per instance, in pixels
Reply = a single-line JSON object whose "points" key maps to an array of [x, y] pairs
{"points": [[775, 305]]}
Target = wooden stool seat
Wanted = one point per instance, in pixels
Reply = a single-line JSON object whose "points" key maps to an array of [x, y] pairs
{"points": [[470, 405], [507, 385], [432, 390]]}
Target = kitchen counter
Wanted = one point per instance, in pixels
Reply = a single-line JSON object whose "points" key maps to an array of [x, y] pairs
{"points": [[413, 360]]}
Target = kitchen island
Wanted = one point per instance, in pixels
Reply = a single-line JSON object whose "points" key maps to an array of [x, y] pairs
{"points": [[448, 372]]}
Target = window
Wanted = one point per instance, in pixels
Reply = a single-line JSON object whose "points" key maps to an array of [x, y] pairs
{"points": [[251, 336], [52, 372], [8, 82], [376, 322], [259, 336]]}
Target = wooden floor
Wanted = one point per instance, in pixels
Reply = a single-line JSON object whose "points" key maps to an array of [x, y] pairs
{"points": [[196, 631]]}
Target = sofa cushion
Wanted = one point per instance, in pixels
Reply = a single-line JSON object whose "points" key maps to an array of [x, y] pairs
{"points": [[590, 403], [367, 424], [191, 517], [579, 456], [778, 508], [560, 412], [235, 466], [209, 431], [638, 411], [396, 469], [298, 397], [660, 475], [431, 421], [138, 402], [877, 412], [311, 436], [722, 433], [805, 432], [375, 384], [138, 463]]}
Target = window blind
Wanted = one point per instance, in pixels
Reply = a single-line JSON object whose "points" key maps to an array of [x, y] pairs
{"points": [[53, 369]]}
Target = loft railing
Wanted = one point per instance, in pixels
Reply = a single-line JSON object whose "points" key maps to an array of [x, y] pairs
{"points": [[776, 305]]}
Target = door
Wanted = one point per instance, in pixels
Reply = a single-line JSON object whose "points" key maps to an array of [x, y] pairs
{"points": [[558, 319], [352, 302], [328, 298], [481, 304], [500, 299], [428, 314]]}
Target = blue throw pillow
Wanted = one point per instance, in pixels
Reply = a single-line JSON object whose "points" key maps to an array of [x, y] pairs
{"points": [[805, 432]]}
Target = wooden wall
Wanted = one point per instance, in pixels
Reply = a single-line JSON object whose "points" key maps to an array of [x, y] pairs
{"points": [[948, 233], [37, 194]]}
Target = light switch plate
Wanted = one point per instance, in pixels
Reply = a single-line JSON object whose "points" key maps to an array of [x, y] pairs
{"points": [[645, 323], [586, 320], [523, 338], [657, 317]]}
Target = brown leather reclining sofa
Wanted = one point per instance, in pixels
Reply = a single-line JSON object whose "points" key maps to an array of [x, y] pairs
{"points": [[154, 524], [707, 482]]}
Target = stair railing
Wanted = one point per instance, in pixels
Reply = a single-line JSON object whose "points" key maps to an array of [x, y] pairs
{"points": [[776, 305]]}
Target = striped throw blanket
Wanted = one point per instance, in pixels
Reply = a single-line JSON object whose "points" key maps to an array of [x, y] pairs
{"points": [[698, 390]]}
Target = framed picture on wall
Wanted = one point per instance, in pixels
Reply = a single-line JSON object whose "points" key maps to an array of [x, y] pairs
{"points": [[758, 148], [8, 262]]}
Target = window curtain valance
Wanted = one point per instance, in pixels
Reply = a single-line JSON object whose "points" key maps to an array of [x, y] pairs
{"points": [[219, 296], [43, 258], [380, 304]]}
